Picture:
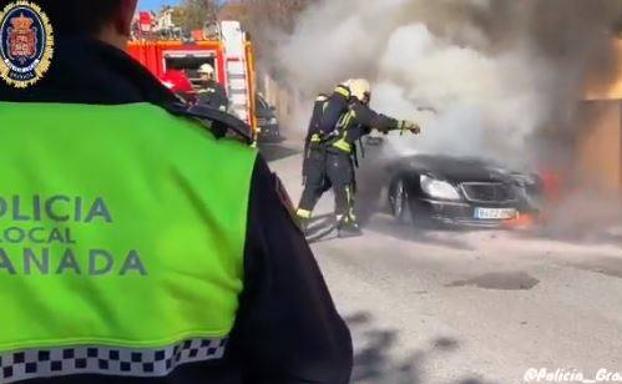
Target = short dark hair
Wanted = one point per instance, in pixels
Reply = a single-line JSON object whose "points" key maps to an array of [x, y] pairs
{"points": [[79, 17]]}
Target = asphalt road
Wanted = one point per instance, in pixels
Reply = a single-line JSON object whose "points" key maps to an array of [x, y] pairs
{"points": [[477, 307]]}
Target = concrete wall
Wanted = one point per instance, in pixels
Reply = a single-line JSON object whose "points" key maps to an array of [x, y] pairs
{"points": [[287, 105], [607, 86], [599, 145]]}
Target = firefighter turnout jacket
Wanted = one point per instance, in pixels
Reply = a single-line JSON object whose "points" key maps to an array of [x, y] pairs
{"points": [[314, 132], [357, 121], [213, 95], [333, 109], [135, 247]]}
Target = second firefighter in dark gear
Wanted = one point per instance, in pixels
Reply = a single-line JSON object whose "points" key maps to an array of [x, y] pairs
{"points": [[212, 93], [314, 162], [356, 121]]}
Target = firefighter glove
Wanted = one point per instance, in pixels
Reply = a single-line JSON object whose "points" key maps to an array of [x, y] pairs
{"points": [[411, 126]]}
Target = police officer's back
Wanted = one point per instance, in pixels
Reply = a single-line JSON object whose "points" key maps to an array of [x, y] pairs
{"points": [[141, 248]]}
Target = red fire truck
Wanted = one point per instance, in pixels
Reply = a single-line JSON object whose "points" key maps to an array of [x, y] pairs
{"points": [[224, 46]]}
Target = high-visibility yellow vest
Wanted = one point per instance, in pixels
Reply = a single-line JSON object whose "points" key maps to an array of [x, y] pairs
{"points": [[120, 226]]}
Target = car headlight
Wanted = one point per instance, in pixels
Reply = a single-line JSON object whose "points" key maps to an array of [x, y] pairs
{"points": [[273, 121], [438, 189]]}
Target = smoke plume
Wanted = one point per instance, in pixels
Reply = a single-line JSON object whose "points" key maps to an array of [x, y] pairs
{"points": [[501, 74]]}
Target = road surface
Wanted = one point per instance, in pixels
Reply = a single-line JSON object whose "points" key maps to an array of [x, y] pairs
{"points": [[448, 307]]}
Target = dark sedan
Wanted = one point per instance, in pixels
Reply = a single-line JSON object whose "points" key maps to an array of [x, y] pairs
{"points": [[433, 189]]}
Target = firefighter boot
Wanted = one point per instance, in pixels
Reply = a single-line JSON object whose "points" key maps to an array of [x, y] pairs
{"points": [[348, 227], [304, 219]]}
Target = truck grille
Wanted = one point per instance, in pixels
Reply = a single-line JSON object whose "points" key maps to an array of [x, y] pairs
{"points": [[488, 192]]}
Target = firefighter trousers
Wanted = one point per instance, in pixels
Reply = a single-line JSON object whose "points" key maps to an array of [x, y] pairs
{"points": [[340, 172], [315, 180], [326, 168]]}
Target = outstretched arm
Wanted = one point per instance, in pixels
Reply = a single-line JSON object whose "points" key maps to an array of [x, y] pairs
{"points": [[369, 118]]}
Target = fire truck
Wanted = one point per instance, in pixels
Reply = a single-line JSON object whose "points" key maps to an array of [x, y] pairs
{"points": [[225, 46]]}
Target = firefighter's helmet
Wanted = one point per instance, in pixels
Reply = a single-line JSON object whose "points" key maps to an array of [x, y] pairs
{"points": [[206, 69], [361, 89]]}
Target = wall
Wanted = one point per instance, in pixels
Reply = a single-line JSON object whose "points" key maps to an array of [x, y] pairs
{"points": [[599, 145], [286, 103]]}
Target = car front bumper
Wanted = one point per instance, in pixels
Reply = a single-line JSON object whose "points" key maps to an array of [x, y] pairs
{"points": [[463, 213]]}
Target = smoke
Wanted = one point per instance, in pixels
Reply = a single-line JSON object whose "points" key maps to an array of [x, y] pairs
{"points": [[502, 74]]}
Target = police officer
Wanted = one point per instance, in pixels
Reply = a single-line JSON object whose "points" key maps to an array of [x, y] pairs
{"points": [[176, 259], [349, 116], [212, 93]]}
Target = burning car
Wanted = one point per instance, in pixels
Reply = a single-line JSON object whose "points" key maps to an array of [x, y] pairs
{"points": [[442, 189]]}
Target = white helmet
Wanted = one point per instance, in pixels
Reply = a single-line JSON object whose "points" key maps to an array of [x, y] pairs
{"points": [[347, 83], [360, 88], [206, 69]]}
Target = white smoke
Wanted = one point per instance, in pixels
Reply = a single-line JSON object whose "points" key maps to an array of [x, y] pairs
{"points": [[485, 105], [492, 90]]}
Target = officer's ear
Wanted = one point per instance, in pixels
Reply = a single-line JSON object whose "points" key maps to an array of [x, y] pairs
{"points": [[125, 14], [118, 29]]}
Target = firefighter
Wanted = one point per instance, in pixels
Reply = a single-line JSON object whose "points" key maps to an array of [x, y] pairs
{"points": [[212, 93], [326, 113], [313, 167], [349, 116], [172, 255]]}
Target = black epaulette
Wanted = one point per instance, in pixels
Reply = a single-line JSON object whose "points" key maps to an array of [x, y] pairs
{"points": [[219, 123]]}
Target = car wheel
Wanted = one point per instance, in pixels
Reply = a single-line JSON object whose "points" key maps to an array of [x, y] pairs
{"points": [[399, 201]]}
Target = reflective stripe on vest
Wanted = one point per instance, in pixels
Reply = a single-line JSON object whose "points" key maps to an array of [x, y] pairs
{"points": [[343, 91], [106, 360], [342, 128], [120, 226], [343, 145]]}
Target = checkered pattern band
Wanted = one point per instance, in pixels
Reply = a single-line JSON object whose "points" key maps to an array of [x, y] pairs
{"points": [[111, 361]]}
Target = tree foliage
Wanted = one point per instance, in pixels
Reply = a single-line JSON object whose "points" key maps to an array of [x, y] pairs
{"points": [[194, 13], [265, 19], [280, 14]]}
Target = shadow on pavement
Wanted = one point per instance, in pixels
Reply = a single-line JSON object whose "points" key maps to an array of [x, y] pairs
{"points": [[374, 360], [374, 217], [422, 235], [273, 152], [321, 228]]}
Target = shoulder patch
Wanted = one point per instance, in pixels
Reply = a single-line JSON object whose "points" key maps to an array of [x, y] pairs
{"points": [[26, 44], [343, 91]]}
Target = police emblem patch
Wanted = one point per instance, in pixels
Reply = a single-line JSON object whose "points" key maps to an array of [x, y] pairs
{"points": [[26, 43]]}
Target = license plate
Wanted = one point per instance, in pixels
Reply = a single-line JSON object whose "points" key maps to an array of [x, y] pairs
{"points": [[495, 213]]}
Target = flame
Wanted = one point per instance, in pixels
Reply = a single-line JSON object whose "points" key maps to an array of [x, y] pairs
{"points": [[523, 221]]}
